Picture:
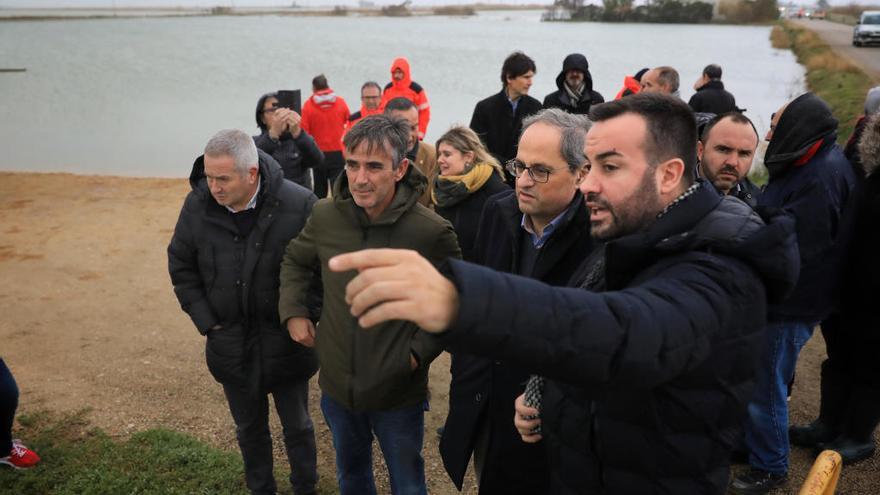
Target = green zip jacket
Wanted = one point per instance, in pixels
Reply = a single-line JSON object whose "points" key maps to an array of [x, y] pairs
{"points": [[365, 369]]}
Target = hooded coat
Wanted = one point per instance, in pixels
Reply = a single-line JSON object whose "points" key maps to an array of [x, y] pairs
{"points": [[811, 180], [324, 116], [409, 89], [648, 375], [223, 278], [561, 98], [365, 369]]}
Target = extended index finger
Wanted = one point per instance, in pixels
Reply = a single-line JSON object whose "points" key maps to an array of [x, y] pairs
{"points": [[367, 258]]}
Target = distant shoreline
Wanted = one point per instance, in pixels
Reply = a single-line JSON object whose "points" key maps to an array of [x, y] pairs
{"points": [[84, 13]]}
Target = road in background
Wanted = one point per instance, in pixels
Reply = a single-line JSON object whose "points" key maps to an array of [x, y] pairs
{"points": [[839, 38]]}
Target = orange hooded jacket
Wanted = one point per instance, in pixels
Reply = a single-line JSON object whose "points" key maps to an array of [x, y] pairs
{"points": [[324, 116], [410, 90]]}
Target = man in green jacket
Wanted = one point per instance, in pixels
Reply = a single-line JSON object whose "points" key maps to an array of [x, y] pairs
{"points": [[372, 381]]}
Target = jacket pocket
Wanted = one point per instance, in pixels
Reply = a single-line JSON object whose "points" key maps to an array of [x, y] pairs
{"points": [[224, 354]]}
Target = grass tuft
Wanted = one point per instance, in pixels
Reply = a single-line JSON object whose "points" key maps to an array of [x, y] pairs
{"points": [[77, 459]]}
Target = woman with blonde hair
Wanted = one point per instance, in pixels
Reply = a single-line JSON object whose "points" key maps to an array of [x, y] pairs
{"points": [[468, 176]]}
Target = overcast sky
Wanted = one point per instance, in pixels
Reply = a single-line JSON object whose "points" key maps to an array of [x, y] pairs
{"points": [[275, 3]]}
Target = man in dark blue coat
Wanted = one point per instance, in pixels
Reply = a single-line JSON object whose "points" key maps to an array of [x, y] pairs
{"points": [[541, 231], [811, 180], [224, 260], [649, 360]]}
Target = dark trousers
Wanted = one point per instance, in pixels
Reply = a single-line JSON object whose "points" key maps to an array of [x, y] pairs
{"points": [[8, 405], [327, 172], [251, 416]]}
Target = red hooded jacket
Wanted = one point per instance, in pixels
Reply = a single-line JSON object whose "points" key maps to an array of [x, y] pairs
{"points": [[631, 86], [324, 116], [409, 90]]}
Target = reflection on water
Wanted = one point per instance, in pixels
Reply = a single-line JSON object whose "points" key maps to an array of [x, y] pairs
{"points": [[142, 96]]}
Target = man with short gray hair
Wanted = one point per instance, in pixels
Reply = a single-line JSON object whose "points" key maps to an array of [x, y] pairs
{"points": [[224, 259], [662, 79], [541, 231], [372, 383]]}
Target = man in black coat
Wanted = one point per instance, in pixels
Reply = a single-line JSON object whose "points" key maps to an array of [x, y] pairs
{"points": [[575, 83], [541, 231], [711, 97], [498, 118], [224, 260], [650, 359], [725, 151], [849, 408]]}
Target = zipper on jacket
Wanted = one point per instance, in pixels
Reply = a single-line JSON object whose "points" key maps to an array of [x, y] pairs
{"points": [[356, 328]]}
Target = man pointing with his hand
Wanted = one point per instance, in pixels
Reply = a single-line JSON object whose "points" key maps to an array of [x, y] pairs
{"points": [[649, 358]]}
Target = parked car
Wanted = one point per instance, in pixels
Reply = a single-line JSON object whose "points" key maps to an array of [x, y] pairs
{"points": [[867, 30]]}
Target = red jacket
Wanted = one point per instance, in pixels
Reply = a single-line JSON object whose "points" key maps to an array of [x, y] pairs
{"points": [[323, 117], [630, 87], [357, 116], [409, 90]]}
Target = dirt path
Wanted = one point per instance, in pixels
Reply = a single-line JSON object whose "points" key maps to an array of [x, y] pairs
{"points": [[90, 321], [839, 38]]}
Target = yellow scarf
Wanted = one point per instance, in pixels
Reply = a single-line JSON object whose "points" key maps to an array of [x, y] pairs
{"points": [[472, 181]]}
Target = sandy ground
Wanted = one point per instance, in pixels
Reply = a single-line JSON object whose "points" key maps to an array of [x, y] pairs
{"points": [[90, 321]]}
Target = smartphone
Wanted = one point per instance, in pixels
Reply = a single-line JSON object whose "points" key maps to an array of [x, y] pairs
{"points": [[290, 98]]}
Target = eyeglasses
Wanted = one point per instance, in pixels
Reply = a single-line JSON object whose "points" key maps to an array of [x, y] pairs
{"points": [[271, 109], [538, 173], [377, 97]]}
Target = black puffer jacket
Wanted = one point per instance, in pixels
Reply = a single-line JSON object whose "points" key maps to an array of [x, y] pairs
{"points": [[561, 99], [648, 379], [713, 98], [223, 278]]}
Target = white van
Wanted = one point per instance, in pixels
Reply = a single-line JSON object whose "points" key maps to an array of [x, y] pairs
{"points": [[868, 28]]}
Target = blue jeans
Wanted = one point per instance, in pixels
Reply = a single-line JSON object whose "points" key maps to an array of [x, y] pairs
{"points": [[767, 424], [400, 433]]}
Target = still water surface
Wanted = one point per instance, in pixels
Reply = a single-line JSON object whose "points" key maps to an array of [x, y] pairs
{"points": [[140, 97]]}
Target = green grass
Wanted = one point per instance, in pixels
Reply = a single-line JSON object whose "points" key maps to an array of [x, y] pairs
{"points": [[842, 85], [78, 459]]}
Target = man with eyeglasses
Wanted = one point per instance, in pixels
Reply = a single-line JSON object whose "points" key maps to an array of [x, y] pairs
{"points": [[371, 98], [648, 360], [376, 382], [542, 231]]}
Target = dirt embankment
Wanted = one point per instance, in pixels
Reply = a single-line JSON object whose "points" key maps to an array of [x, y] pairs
{"points": [[90, 321]]}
